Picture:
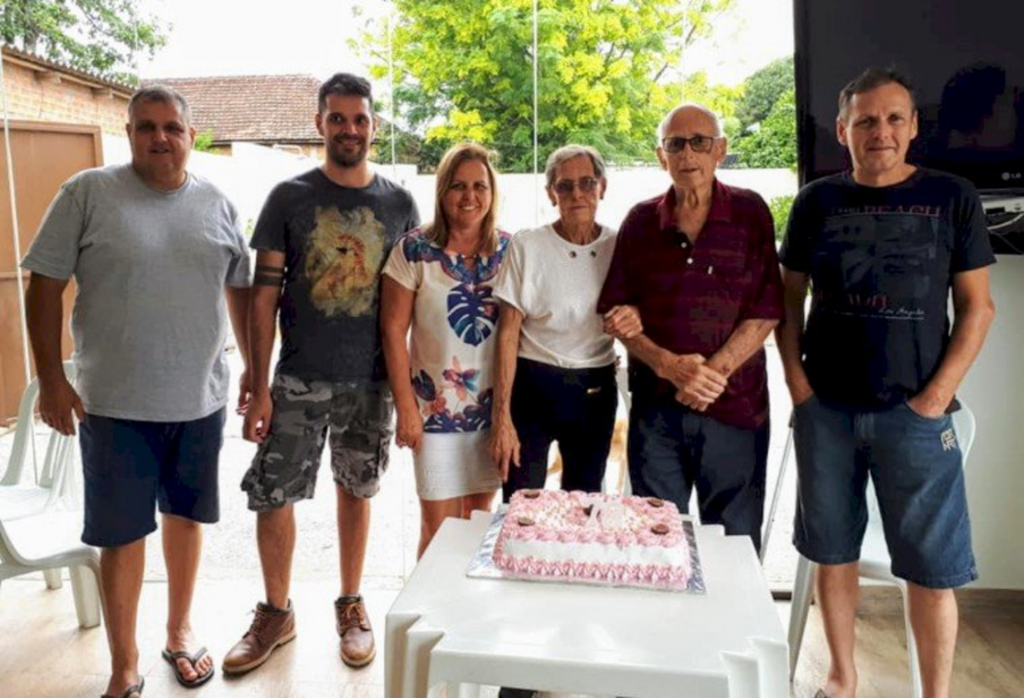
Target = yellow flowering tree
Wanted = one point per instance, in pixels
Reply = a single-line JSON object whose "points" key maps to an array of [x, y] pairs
{"points": [[608, 71]]}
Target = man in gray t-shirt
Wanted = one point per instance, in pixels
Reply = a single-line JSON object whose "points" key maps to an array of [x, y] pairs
{"points": [[321, 242], [160, 264]]}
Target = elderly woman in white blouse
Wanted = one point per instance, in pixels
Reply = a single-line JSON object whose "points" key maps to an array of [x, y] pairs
{"points": [[555, 371]]}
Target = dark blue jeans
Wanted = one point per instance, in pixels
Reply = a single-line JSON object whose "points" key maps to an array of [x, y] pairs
{"points": [[917, 469], [673, 449]]}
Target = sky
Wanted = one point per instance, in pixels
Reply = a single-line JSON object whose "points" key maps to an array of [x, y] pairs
{"points": [[210, 38]]}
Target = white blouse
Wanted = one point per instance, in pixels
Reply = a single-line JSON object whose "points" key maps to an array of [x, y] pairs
{"points": [[555, 285]]}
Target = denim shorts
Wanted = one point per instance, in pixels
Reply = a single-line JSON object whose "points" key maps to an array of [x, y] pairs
{"points": [[916, 466], [130, 466], [358, 418]]}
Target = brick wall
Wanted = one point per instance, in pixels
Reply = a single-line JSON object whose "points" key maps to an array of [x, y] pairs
{"points": [[44, 99]]}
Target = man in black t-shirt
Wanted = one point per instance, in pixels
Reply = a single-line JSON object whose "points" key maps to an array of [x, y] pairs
{"points": [[874, 376], [321, 242]]}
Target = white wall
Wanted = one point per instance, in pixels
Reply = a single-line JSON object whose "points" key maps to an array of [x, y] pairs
{"points": [[248, 175], [995, 472], [525, 204]]}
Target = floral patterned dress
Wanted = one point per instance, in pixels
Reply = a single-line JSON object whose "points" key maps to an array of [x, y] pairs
{"points": [[452, 352]]}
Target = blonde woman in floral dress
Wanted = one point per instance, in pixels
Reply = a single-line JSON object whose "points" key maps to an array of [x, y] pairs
{"points": [[438, 282]]}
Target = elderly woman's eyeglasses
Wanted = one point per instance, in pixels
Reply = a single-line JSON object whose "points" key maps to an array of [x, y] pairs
{"points": [[567, 186], [698, 143]]}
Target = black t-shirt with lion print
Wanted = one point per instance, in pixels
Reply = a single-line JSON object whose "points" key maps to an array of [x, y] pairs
{"points": [[336, 240]]}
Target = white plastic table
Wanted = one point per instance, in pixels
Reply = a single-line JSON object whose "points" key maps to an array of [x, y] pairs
{"points": [[445, 627]]}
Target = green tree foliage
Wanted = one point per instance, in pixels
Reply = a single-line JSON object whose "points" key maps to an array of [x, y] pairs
{"points": [[780, 207], [773, 144], [204, 141], [762, 89], [720, 99], [99, 36], [608, 71]]}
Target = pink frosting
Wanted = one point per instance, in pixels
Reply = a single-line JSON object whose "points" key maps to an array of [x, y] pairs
{"points": [[559, 516], [663, 576]]}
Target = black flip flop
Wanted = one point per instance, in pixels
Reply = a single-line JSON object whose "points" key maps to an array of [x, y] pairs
{"points": [[193, 659], [135, 688]]}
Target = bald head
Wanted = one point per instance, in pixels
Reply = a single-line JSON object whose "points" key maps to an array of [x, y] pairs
{"points": [[693, 116]]}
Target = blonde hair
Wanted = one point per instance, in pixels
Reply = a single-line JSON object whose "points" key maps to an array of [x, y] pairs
{"points": [[437, 230]]}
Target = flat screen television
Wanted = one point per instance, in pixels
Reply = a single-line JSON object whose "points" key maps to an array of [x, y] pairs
{"points": [[965, 60]]}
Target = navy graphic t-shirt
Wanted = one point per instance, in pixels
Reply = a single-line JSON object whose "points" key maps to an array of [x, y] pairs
{"points": [[336, 240], [881, 262]]}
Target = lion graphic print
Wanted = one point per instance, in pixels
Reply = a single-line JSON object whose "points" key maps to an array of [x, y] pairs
{"points": [[346, 249]]}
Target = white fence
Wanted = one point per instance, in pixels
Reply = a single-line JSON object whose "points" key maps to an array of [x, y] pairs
{"points": [[248, 175]]}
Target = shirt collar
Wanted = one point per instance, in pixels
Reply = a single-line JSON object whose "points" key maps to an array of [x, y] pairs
{"points": [[721, 206]]}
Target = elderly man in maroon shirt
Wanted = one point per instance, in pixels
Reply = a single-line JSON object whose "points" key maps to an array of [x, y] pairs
{"points": [[700, 264]]}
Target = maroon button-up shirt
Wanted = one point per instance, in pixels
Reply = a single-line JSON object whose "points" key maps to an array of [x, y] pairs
{"points": [[692, 297]]}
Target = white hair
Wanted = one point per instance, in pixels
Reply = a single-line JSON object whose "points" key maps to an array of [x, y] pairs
{"points": [[567, 153]]}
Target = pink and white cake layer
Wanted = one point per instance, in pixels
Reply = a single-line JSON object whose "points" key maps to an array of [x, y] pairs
{"points": [[631, 541]]}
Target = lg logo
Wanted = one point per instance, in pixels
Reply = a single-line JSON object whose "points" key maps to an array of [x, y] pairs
{"points": [[1007, 176]]}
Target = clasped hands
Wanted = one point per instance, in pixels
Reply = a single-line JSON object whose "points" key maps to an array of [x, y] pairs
{"points": [[698, 381]]}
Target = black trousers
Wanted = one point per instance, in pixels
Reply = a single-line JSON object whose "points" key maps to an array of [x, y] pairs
{"points": [[576, 408]]}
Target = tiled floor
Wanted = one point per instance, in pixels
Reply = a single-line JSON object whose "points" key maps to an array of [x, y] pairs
{"points": [[44, 654]]}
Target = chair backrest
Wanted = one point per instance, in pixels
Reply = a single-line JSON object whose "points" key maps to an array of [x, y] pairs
{"points": [[24, 433]]}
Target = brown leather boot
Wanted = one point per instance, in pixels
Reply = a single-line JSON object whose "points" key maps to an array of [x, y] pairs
{"points": [[357, 646], [271, 628]]}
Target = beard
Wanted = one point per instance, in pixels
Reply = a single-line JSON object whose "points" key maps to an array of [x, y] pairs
{"points": [[347, 158]]}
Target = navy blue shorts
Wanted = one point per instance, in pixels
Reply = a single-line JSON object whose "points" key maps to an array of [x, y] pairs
{"points": [[672, 450], [130, 466], [916, 466]]}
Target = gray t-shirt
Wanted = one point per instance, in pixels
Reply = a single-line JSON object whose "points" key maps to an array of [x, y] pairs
{"points": [[336, 240], [150, 316]]}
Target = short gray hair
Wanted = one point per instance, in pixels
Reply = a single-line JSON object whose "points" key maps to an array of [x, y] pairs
{"points": [[567, 153], [160, 93], [690, 105]]}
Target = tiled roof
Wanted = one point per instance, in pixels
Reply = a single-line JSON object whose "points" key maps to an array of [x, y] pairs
{"points": [[255, 108], [92, 79]]}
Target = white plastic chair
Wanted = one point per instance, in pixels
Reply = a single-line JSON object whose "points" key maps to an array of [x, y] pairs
{"points": [[24, 445], [875, 562], [41, 522]]}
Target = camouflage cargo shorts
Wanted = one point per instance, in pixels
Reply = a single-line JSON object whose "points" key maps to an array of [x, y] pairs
{"points": [[358, 417]]}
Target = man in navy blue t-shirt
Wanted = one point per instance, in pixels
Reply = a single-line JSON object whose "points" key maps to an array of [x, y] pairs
{"points": [[875, 372]]}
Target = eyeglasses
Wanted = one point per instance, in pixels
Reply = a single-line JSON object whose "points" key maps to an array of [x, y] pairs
{"points": [[698, 143], [566, 187]]}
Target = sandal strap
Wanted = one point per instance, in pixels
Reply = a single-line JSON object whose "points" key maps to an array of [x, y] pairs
{"points": [[127, 693], [137, 688], [193, 658]]}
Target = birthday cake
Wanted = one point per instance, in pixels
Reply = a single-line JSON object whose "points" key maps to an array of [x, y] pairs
{"points": [[597, 538]]}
